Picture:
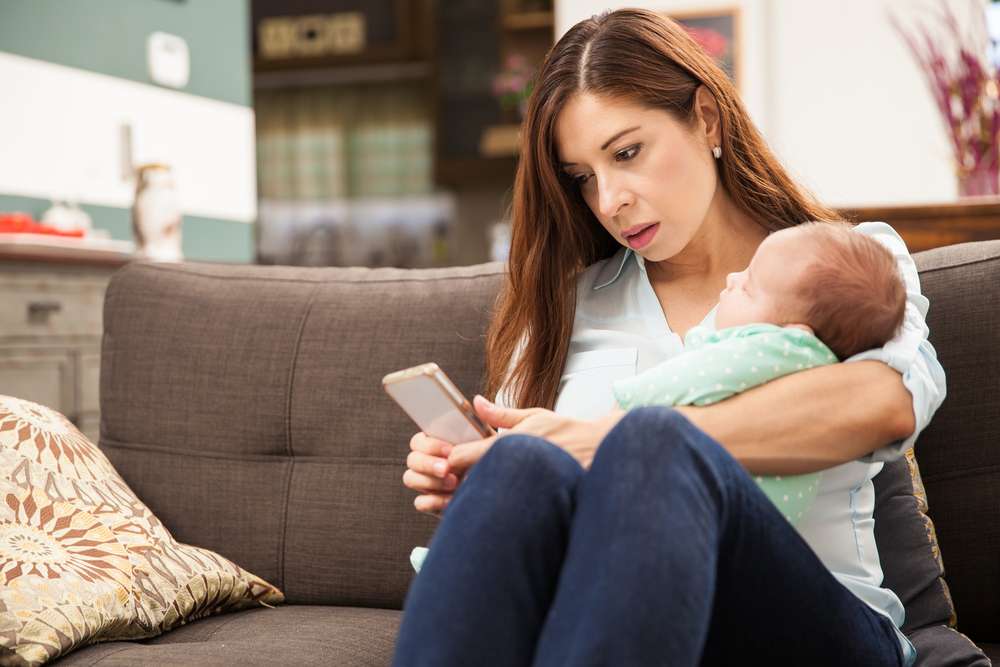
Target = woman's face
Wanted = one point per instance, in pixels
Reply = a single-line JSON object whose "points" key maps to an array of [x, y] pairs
{"points": [[636, 166]]}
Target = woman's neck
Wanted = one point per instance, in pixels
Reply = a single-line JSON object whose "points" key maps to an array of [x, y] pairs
{"points": [[721, 246]]}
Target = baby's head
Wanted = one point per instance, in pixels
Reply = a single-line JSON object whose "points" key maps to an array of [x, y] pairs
{"points": [[841, 285]]}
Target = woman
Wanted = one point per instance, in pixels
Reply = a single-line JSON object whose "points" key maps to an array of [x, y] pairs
{"points": [[590, 536]]}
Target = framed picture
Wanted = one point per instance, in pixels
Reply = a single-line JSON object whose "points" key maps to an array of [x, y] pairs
{"points": [[329, 33], [718, 31]]}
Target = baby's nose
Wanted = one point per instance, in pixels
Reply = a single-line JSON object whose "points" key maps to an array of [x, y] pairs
{"points": [[729, 280]]}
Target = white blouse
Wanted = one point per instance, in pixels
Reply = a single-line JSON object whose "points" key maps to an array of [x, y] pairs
{"points": [[620, 330]]}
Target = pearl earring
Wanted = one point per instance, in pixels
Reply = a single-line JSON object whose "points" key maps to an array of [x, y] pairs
{"points": [[717, 152]]}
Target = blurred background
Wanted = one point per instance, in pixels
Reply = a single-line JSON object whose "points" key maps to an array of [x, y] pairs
{"points": [[384, 133]]}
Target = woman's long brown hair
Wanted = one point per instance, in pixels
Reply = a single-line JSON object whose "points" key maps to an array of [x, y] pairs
{"points": [[641, 57]]}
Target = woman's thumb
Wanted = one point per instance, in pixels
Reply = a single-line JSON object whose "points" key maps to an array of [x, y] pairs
{"points": [[496, 415]]}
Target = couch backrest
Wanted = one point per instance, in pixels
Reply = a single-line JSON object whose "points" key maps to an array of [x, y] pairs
{"points": [[243, 404], [959, 453]]}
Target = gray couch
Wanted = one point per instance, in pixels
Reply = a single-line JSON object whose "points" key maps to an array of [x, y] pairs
{"points": [[243, 405]]}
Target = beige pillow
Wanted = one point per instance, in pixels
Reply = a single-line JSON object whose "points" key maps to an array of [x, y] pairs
{"points": [[82, 559]]}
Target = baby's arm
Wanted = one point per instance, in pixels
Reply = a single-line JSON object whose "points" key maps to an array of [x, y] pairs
{"points": [[723, 368]]}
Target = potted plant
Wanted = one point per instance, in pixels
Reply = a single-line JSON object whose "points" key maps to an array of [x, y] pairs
{"points": [[964, 84]]}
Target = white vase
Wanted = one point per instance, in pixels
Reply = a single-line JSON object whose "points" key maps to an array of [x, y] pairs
{"points": [[156, 215]]}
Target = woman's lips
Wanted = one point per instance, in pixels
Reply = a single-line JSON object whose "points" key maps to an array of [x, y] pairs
{"points": [[643, 237]]}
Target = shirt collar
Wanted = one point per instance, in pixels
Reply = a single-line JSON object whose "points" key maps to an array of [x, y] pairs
{"points": [[615, 265]]}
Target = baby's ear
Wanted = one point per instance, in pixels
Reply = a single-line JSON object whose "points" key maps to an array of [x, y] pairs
{"points": [[804, 327]]}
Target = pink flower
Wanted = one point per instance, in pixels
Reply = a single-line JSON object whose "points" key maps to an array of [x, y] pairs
{"points": [[964, 87], [713, 41]]}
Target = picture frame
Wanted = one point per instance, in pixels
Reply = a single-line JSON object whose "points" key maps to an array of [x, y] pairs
{"points": [[719, 31]]}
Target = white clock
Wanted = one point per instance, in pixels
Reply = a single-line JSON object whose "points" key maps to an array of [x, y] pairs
{"points": [[168, 59]]}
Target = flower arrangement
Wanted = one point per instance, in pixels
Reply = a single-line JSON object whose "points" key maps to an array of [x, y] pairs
{"points": [[965, 88], [512, 85], [714, 42]]}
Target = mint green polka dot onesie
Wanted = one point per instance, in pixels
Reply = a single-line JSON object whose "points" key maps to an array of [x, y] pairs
{"points": [[718, 364]]}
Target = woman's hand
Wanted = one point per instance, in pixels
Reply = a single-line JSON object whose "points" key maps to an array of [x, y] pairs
{"points": [[428, 473], [580, 438]]}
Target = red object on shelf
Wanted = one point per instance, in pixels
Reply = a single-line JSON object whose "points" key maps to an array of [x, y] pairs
{"points": [[18, 222]]}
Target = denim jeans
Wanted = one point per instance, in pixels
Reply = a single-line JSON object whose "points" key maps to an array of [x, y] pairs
{"points": [[664, 552]]}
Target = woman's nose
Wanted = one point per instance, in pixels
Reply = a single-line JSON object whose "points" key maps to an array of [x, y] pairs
{"points": [[611, 197]]}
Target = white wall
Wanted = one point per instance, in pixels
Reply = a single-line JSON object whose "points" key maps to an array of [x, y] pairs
{"points": [[835, 92], [62, 138]]}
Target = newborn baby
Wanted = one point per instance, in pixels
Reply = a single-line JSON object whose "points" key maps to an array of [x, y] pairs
{"points": [[813, 294]]}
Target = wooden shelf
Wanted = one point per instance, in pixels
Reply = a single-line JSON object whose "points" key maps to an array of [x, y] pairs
{"points": [[343, 74], [500, 140], [925, 226], [528, 20], [465, 172]]}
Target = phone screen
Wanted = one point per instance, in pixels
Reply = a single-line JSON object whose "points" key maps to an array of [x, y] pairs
{"points": [[434, 411]]}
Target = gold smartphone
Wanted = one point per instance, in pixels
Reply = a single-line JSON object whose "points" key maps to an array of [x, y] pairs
{"points": [[436, 405]]}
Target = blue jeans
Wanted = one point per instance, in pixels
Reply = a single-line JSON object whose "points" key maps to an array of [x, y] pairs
{"points": [[665, 552]]}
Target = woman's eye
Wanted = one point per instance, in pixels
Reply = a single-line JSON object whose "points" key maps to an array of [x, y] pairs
{"points": [[628, 153], [581, 179]]}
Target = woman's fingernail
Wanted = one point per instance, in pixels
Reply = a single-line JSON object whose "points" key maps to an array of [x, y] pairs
{"points": [[445, 450], [439, 468]]}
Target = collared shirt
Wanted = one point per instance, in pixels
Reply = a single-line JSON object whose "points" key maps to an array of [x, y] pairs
{"points": [[620, 330]]}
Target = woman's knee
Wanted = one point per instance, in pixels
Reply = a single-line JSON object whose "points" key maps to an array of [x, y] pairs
{"points": [[530, 459], [658, 437]]}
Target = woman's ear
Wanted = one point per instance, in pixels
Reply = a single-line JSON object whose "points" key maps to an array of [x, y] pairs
{"points": [[707, 110]]}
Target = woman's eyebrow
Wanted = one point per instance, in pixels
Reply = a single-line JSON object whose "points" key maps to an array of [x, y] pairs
{"points": [[617, 136], [607, 143]]}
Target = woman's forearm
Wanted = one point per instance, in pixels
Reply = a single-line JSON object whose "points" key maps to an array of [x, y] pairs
{"points": [[811, 420]]}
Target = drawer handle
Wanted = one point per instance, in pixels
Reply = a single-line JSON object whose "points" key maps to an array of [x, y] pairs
{"points": [[40, 310]]}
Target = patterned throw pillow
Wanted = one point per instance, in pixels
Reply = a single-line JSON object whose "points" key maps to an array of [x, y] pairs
{"points": [[82, 560]]}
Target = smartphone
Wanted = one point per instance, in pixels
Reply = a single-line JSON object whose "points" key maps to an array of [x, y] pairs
{"points": [[436, 405]]}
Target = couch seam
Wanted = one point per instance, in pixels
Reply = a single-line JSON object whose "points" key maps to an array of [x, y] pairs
{"points": [[319, 281], [981, 470], [288, 433], [211, 636], [256, 458], [105, 657], [956, 265]]}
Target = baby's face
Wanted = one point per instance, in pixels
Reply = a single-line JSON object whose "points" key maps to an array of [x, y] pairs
{"points": [[765, 291]]}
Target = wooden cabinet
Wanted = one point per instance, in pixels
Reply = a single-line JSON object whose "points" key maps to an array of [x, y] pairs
{"points": [[475, 142], [50, 335]]}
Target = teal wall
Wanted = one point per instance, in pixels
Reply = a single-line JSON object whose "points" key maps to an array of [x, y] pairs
{"points": [[109, 37]]}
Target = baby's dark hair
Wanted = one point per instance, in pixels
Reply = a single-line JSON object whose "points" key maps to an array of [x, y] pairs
{"points": [[853, 294]]}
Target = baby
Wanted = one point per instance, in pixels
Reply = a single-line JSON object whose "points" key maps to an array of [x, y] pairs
{"points": [[813, 294]]}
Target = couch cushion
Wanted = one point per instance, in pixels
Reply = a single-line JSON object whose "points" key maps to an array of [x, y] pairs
{"points": [[907, 546], [273, 374], [992, 652], [940, 646], [958, 453], [287, 635], [81, 558]]}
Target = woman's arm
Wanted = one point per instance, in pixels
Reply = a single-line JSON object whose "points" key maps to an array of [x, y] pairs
{"points": [[811, 420], [827, 416], [873, 406]]}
